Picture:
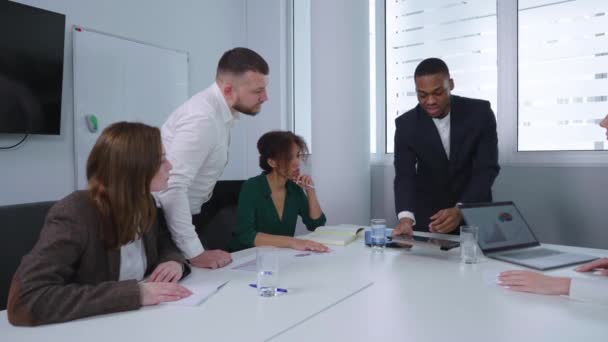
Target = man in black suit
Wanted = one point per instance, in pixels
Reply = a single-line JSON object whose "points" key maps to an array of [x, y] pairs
{"points": [[445, 153]]}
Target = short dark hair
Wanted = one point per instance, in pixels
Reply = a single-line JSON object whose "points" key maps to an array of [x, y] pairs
{"points": [[277, 145], [431, 66], [240, 60]]}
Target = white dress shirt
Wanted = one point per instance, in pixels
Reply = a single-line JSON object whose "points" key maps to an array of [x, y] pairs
{"points": [[133, 261], [590, 290], [196, 137], [443, 128]]}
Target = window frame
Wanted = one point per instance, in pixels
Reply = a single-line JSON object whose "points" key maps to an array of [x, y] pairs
{"points": [[507, 83]]}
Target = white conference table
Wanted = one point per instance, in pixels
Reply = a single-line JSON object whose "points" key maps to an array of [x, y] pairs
{"points": [[351, 294]]}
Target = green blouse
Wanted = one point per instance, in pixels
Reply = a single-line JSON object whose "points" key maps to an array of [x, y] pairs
{"points": [[256, 212]]}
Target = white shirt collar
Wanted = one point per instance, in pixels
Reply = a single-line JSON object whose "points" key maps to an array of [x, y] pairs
{"points": [[227, 114], [443, 119]]}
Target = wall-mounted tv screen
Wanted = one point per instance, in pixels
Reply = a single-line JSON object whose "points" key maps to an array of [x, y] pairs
{"points": [[31, 69]]}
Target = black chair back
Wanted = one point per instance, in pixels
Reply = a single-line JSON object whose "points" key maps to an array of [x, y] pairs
{"points": [[20, 226], [217, 218]]}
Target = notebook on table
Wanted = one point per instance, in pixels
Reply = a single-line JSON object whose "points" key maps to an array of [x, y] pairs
{"points": [[340, 235], [505, 235]]}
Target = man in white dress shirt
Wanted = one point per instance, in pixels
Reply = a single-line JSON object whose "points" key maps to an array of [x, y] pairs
{"points": [[196, 137]]}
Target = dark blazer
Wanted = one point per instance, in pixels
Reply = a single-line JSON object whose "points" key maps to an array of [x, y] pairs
{"points": [[70, 274], [425, 179]]}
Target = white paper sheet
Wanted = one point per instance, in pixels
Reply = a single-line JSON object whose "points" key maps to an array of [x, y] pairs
{"points": [[200, 293]]}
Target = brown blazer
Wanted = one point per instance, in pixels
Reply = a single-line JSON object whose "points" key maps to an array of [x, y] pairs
{"points": [[70, 274]]}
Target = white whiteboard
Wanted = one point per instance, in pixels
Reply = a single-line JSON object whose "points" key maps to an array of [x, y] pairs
{"points": [[118, 79]]}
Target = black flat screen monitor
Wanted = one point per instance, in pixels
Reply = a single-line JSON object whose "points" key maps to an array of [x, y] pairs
{"points": [[31, 69]]}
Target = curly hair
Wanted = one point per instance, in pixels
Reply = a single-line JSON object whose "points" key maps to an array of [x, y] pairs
{"points": [[277, 145]]}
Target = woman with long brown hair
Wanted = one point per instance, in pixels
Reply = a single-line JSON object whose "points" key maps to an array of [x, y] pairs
{"points": [[97, 245]]}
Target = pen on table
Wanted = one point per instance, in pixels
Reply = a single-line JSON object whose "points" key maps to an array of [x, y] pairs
{"points": [[219, 288], [278, 289]]}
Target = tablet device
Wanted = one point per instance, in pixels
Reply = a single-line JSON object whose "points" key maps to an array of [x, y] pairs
{"points": [[389, 243], [444, 245]]}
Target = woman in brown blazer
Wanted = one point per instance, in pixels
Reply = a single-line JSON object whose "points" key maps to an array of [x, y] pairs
{"points": [[97, 245]]}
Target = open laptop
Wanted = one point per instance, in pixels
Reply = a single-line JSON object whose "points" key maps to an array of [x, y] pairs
{"points": [[505, 235]]}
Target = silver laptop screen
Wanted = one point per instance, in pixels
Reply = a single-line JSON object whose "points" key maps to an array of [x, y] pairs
{"points": [[500, 226]]}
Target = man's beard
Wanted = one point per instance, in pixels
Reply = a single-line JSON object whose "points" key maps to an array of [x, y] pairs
{"points": [[253, 111]]}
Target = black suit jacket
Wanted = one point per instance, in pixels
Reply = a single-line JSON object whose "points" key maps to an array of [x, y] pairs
{"points": [[425, 179]]}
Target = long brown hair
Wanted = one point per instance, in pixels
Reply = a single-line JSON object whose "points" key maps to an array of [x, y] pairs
{"points": [[120, 169]]}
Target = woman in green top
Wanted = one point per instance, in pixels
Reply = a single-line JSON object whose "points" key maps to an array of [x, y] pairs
{"points": [[269, 204]]}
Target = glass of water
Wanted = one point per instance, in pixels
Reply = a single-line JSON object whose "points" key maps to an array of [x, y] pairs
{"points": [[468, 244], [267, 265], [378, 234]]}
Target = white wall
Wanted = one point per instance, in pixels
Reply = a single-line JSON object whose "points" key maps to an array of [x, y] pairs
{"points": [[301, 71], [43, 167], [267, 34], [340, 108]]}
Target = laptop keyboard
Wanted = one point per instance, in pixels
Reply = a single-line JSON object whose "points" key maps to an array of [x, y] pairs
{"points": [[531, 254]]}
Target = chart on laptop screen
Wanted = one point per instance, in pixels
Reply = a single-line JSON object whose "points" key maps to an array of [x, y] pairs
{"points": [[499, 226]]}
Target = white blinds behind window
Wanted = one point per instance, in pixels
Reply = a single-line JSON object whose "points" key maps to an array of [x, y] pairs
{"points": [[563, 74], [462, 33]]}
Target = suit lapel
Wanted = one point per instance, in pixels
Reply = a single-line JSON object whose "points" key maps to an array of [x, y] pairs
{"points": [[457, 130], [149, 241], [114, 263], [433, 137]]}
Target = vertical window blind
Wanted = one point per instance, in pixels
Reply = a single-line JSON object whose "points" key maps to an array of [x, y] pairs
{"points": [[462, 33], [562, 74]]}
